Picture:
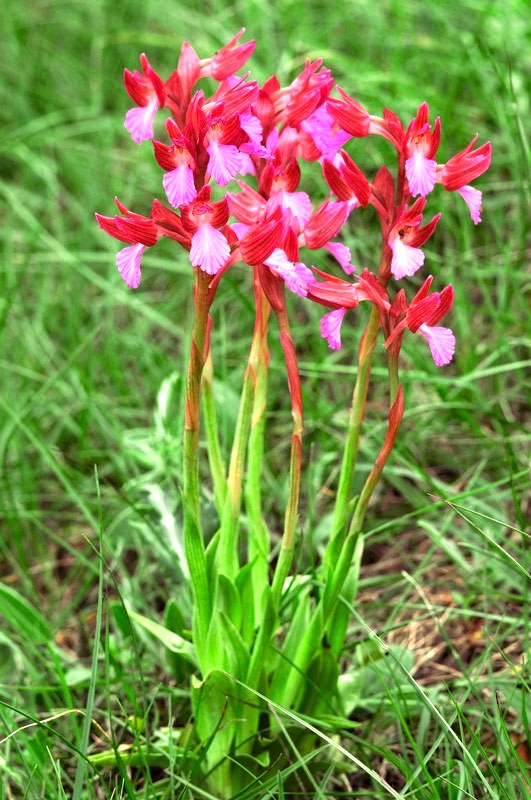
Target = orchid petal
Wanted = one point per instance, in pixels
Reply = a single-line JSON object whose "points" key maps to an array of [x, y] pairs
{"points": [[210, 250], [320, 126], [224, 163], [179, 185], [139, 121], [278, 258], [472, 198], [300, 206], [421, 174], [128, 263], [441, 342], [342, 254], [252, 126], [240, 229], [247, 166], [295, 275], [331, 327], [406, 259]]}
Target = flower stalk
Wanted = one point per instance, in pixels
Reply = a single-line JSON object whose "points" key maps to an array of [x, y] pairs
{"points": [[193, 538], [287, 544], [256, 362], [215, 458], [258, 540], [350, 452]]}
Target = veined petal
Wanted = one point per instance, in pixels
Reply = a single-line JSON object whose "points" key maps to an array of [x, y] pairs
{"points": [[321, 127], [421, 174], [331, 327], [472, 198], [139, 121], [247, 166], [441, 342], [299, 204], [278, 258], [252, 127], [128, 263], [342, 254], [296, 275], [240, 229], [406, 259], [224, 162], [209, 250], [179, 185]]}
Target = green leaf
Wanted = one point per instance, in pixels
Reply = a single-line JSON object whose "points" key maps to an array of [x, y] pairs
{"points": [[174, 622], [235, 648], [129, 755], [229, 600], [369, 683], [171, 640], [244, 584], [320, 694], [296, 634], [23, 617], [12, 665], [259, 662], [340, 618], [215, 711], [121, 619]]}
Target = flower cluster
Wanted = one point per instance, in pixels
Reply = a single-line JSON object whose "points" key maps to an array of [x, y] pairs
{"points": [[263, 133]]}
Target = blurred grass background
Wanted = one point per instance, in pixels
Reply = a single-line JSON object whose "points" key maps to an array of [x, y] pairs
{"points": [[82, 357]]}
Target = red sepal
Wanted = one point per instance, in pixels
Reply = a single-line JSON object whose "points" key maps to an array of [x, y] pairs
{"points": [[261, 239], [355, 178], [229, 58], [170, 224], [324, 224], [164, 155], [290, 244], [420, 312], [350, 115], [273, 287]]}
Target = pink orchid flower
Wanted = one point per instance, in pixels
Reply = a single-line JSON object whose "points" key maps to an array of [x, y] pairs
{"points": [[419, 148], [140, 232], [406, 237], [423, 315], [464, 167], [146, 89]]}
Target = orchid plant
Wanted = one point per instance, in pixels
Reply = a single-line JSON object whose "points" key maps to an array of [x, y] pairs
{"points": [[230, 161]]}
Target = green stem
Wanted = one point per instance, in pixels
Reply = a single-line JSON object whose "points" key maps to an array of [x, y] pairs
{"points": [[258, 541], [350, 452], [392, 368], [287, 545], [344, 579], [217, 467], [193, 539], [396, 412], [228, 546], [343, 546]]}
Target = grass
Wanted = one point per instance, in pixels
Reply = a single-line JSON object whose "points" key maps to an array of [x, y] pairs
{"points": [[435, 671]]}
